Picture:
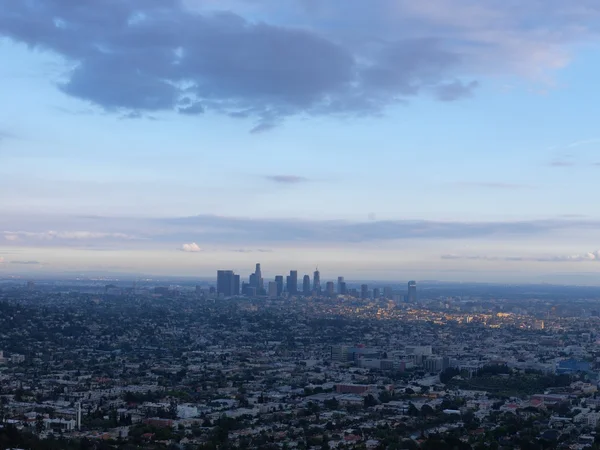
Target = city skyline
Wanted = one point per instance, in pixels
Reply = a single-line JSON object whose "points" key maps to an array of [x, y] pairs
{"points": [[373, 140]]}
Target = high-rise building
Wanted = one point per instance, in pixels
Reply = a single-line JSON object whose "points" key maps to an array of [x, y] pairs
{"points": [[252, 281], [330, 289], [225, 282], [273, 288], [292, 282], [364, 291], [317, 281], [279, 282], [306, 285], [236, 285], [258, 275], [376, 293], [340, 281], [343, 288], [388, 292], [412, 292]]}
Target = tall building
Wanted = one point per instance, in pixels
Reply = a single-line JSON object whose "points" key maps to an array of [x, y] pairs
{"points": [[388, 292], [279, 283], [343, 288], [225, 282], [252, 281], [273, 288], [340, 283], [330, 289], [364, 291], [317, 281], [412, 292], [292, 282], [306, 285], [258, 275], [376, 293], [236, 285]]}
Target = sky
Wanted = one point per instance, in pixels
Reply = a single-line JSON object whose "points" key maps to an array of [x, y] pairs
{"points": [[454, 140]]}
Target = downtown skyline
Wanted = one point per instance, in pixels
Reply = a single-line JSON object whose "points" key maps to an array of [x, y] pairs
{"points": [[455, 142]]}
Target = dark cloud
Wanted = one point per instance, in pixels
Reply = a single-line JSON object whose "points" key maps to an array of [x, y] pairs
{"points": [[151, 55], [286, 179], [26, 263]]}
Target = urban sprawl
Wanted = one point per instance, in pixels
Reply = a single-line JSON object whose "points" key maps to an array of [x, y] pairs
{"points": [[94, 363]]}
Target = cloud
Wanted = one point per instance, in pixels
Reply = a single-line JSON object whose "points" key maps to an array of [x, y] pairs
{"points": [[191, 248], [244, 232], [491, 185], [583, 257], [26, 263], [269, 60], [262, 127], [286, 179], [561, 163], [14, 236]]}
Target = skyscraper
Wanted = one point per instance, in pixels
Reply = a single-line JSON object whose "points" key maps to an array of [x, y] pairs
{"points": [[330, 289], [225, 282], [376, 293], [412, 292], [236, 285], [279, 282], [339, 285], [306, 285], [252, 281], [317, 281], [258, 275], [292, 282], [388, 292], [364, 291], [273, 289]]}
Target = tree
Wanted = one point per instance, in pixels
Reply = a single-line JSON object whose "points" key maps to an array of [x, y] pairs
{"points": [[385, 396], [427, 410], [39, 424], [369, 401], [173, 410]]}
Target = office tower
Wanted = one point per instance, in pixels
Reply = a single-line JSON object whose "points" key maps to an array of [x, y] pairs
{"points": [[388, 293], [236, 285], [258, 275], [339, 285], [330, 288], [412, 292], [343, 288], [317, 281], [279, 282], [273, 289], [306, 285], [364, 291], [292, 282], [252, 281], [376, 293], [225, 282]]}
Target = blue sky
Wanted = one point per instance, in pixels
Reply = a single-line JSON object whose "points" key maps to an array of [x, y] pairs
{"points": [[455, 140]]}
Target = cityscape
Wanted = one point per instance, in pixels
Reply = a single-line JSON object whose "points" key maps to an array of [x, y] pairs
{"points": [[228, 285], [299, 225], [165, 364]]}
